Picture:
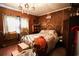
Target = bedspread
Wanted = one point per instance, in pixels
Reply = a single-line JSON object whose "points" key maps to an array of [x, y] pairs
{"points": [[50, 36]]}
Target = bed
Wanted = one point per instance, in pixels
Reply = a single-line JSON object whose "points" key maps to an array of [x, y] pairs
{"points": [[50, 36]]}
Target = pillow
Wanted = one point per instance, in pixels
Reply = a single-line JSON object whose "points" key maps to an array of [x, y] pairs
{"points": [[42, 31], [48, 31]]}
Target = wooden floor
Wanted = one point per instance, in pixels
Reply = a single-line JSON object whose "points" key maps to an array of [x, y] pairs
{"points": [[8, 50], [58, 52]]}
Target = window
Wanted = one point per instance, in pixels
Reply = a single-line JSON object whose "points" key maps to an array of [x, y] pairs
{"points": [[15, 24], [24, 23], [24, 26], [11, 24]]}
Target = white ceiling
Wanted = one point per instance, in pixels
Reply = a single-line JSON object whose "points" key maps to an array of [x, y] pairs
{"points": [[40, 8]]}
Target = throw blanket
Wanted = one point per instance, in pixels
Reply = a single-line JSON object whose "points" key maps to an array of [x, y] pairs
{"points": [[40, 41], [40, 46]]}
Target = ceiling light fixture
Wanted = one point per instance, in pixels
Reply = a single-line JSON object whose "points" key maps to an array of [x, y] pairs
{"points": [[27, 7]]}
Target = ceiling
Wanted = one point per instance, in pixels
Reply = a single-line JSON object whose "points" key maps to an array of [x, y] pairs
{"points": [[40, 8]]}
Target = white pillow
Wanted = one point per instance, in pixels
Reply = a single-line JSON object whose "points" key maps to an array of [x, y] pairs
{"points": [[47, 31]]}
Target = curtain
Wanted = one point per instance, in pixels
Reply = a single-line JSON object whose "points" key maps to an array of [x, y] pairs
{"points": [[24, 26], [15, 24], [11, 24]]}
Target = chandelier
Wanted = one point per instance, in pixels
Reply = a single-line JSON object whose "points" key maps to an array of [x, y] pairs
{"points": [[27, 7]]}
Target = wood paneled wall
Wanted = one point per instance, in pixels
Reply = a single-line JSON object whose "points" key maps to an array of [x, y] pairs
{"points": [[56, 20], [6, 11], [1, 23]]}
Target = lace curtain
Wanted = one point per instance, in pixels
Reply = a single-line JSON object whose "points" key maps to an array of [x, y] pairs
{"points": [[15, 24], [11, 24]]}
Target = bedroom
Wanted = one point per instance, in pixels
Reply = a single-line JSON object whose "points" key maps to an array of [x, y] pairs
{"points": [[21, 25]]}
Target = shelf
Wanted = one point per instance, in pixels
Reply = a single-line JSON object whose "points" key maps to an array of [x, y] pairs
{"points": [[36, 28]]}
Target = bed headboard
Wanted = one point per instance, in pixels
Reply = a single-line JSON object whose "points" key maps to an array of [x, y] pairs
{"points": [[53, 27]]}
